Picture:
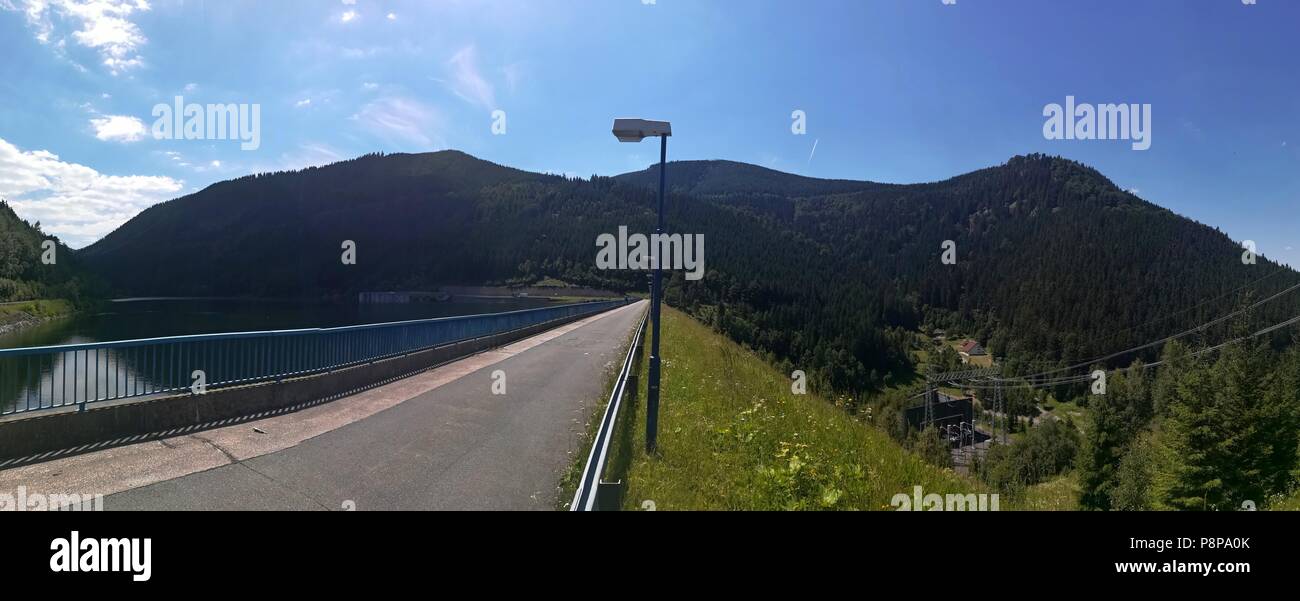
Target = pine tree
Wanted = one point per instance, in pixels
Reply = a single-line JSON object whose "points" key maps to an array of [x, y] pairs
{"points": [[1280, 426], [1117, 417], [1135, 477], [1226, 434]]}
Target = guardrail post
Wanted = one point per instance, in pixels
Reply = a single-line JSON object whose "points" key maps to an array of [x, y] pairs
{"points": [[609, 496]]}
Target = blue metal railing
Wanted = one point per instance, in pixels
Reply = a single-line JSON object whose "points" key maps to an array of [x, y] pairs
{"points": [[47, 377]]}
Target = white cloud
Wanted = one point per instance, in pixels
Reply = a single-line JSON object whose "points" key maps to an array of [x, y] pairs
{"points": [[392, 16], [402, 120], [190, 87], [348, 16], [216, 164], [350, 2], [119, 128], [73, 201], [370, 86], [313, 97], [103, 25], [37, 19], [467, 82]]}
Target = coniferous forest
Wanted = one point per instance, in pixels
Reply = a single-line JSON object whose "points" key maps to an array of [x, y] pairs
{"points": [[23, 273]]}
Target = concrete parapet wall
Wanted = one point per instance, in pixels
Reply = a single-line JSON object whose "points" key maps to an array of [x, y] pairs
{"points": [[69, 431]]}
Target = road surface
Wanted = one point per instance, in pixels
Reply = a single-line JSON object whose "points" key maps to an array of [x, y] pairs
{"points": [[455, 445]]}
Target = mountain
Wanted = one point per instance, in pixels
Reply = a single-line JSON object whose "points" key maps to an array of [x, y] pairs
{"points": [[24, 276], [281, 234], [730, 177], [1054, 262], [417, 221]]}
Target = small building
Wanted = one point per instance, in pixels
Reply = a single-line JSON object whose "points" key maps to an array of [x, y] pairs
{"points": [[968, 349], [948, 410]]}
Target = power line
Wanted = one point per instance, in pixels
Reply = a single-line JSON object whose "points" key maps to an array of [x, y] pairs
{"points": [[1036, 380], [1184, 310], [1166, 339], [1081, 378]]}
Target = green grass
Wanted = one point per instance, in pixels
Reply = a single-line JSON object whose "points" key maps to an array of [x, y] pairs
{"points": [[43, 309], [549, 282], [1285, 503], [1072, 411], [732, 436], [1060, 494]]}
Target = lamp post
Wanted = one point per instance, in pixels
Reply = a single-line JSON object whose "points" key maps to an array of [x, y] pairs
{"points": [[635, 130]]}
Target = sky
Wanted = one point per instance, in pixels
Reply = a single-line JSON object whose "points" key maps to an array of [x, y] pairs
{"points": [[896, 91]]}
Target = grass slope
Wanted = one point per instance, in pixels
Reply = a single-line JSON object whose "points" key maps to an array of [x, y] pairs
{"points": [[733, 437], [27, 312], [1059, 494]]}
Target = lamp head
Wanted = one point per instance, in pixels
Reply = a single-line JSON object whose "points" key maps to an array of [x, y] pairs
{"points": [[635, 130]]}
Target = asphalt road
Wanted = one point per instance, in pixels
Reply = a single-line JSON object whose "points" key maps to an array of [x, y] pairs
{"points": [[455, 447]]}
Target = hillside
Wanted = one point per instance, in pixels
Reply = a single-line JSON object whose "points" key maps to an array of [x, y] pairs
{"points": [[24, 277], [280, 234], [731, 177], [734, 437], [1055, 263]]}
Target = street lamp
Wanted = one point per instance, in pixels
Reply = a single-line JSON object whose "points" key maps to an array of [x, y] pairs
{"points": [[635, 130]]}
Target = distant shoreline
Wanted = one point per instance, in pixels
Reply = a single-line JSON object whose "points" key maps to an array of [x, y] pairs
{"points": [[21, 315], [135, 299]]}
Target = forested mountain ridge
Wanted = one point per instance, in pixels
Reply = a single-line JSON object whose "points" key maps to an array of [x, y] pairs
{"points": [[730, 177], [24, 276], [1054, 262], [280, 234]]}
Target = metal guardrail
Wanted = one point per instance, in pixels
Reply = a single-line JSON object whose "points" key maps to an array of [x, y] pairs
{"points": [[590, 486], [42, 378]]}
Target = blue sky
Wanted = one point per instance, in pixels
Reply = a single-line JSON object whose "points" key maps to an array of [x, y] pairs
{"points": [[893, 90]]}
